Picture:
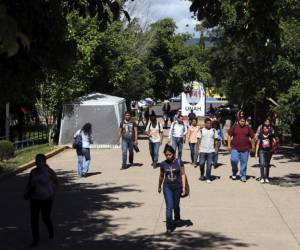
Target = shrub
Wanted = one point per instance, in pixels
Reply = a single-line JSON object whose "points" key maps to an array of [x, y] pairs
{"points": [[7, 150]]}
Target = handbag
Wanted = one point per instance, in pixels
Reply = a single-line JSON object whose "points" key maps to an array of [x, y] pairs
{"points": [[77, 143], [136, 148], [187, 188]]}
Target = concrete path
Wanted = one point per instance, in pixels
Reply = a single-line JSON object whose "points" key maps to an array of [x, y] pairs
{"points": [[114, 209]]}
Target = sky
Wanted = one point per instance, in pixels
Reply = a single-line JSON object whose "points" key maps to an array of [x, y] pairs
{"points": [[149, 11]]}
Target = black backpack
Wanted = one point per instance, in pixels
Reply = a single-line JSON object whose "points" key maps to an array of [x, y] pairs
{"points": [[77, 143]]}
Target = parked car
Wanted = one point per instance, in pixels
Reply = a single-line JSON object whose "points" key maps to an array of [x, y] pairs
{"points": [[175, 99]]}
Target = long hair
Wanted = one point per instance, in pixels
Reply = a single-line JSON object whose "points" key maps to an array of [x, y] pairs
{"points": [[87, 129]]}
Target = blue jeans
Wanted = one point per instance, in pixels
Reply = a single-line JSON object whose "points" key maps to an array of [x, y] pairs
{"points": [[127, 145], [242, 157], [208, 159], [154, 151], [177, 142], [84, 161], [264, 162], [193, 148], [172, 198]]}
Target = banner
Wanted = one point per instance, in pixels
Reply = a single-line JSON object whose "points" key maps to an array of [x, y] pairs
{"points": [[193, 100]]}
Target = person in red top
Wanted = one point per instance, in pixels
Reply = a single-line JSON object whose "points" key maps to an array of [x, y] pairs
{"points": [[240, 143]]}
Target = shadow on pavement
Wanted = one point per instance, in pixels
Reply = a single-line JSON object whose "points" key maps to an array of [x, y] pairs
{"points": [[83, 219], [290, 180]]}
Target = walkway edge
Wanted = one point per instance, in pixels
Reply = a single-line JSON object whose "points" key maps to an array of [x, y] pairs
{"points": [[31, 164]]}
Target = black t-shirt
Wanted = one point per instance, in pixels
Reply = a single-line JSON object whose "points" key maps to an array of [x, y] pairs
{"points": [[172, 173], [128, 129], [265, 141]]}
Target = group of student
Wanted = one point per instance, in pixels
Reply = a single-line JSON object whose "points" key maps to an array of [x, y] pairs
{"points": [[204, 144]]}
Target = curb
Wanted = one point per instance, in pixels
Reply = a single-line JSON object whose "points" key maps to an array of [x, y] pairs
{"points": [[31, 164]]}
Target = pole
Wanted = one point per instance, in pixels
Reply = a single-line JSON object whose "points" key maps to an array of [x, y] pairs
{"points": [[7, 121]]}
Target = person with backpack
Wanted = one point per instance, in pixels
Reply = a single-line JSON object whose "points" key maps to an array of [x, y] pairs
{"points": [[172, 176], [219, 142], [192, 140], [155, 132], [267, 122], [264, 144], [240, 142], [207, 138], [129, 133], [83, 139], [177, 134], [40, 192]]}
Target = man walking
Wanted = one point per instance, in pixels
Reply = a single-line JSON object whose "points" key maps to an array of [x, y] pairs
{"points": [[177, 133], [155, 132], [207, 142], [240, 143], [129, 133]]}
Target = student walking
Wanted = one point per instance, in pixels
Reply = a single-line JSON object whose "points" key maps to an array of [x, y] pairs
{"points": [[155, 132], [166, 113], [83, 138], [191, 116], [267, 122], [240, 142], [129, 133], [220, 140], [40, 192], [264, 151], [207, 138], [177, 134], [172, 175], [192, 140]]}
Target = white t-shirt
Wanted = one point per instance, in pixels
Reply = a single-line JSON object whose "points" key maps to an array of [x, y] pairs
{"points": [[154, 132], [208, 137]]}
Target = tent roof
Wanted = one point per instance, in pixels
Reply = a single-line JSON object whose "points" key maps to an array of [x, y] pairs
{"points": [[99, 99]]}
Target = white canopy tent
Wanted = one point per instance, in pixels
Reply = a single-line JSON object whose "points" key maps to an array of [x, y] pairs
{"points": [[104, 112]]}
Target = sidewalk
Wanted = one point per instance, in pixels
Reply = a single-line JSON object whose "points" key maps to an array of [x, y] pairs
{"points": [[118, 209]]}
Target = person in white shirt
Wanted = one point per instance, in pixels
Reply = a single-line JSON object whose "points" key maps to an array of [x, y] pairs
{"points": [[155, 132], [85, 139], [177, 134], [207, 139]]}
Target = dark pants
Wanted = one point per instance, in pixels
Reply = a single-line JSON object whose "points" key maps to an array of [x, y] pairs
{"points": [[172, 198], [264, 162], [193, 148], [154, 151], [208, 159], [127, 145], [177, 142], [45, 207]]}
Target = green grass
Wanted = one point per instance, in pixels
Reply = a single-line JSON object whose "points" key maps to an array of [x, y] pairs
{"points": [[23, 156]]}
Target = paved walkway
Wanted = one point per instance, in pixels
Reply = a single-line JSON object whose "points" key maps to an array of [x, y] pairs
{"points": [[122, 210]]}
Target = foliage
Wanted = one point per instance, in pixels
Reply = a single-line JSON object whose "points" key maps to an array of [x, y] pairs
{"points": [[7, 150], [24, 156]]}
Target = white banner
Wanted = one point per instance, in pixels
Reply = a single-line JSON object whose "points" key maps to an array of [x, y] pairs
{"points": [[194, 100]]}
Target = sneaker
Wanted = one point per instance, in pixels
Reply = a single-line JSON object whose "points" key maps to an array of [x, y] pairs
{"points": [[202, 178], [243, 180], [233, 177], [262, 181], [123, 167], [169, 232], [267, 180], [208, 181]]}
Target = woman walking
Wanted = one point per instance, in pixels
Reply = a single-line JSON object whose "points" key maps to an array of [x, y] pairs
{"points": [[192, 140], [264, 151], [172, 175], [40, 191], [85, 139], [155, 132], [219, 141]]}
